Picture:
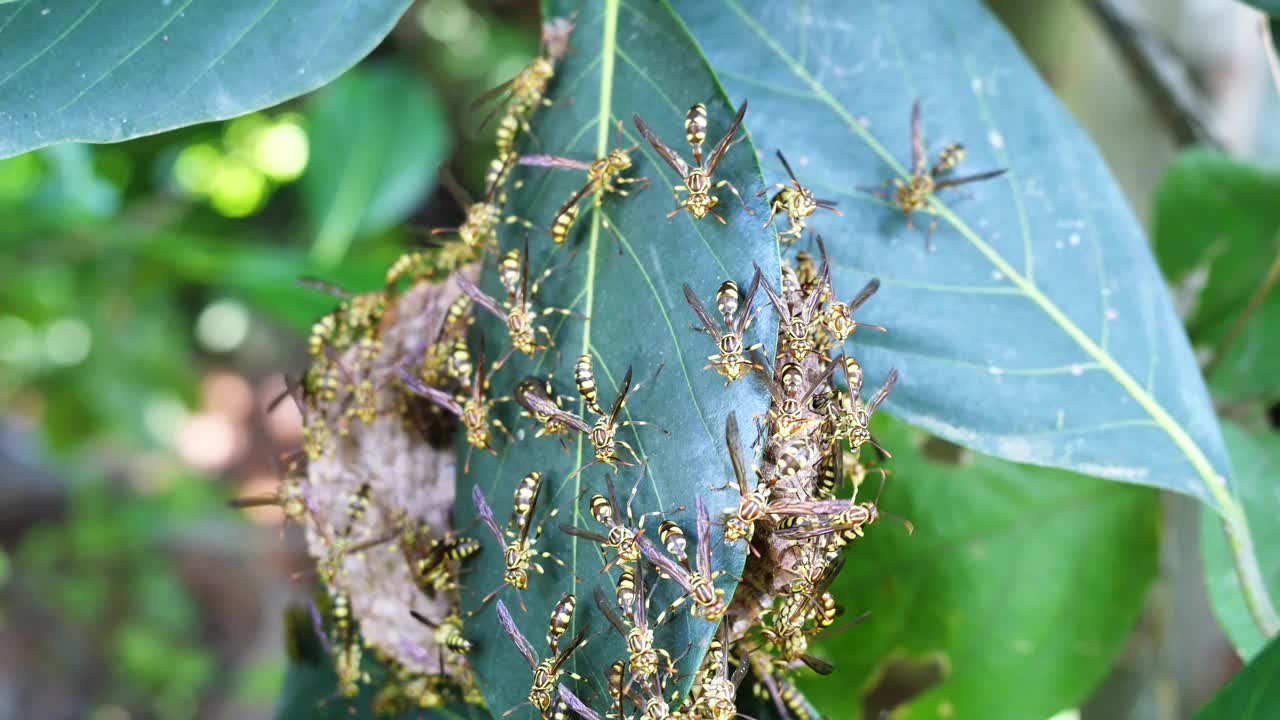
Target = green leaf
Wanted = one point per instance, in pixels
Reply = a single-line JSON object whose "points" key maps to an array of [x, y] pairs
{"points": [[378, 136], [84, 71], [1271, 7], [1256, 462], [1252, 694], [1011, 569], [308, 694], [1217, 233], [1040, 329], [627, 58]]}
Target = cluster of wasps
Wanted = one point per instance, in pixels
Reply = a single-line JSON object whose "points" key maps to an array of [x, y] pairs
{"points": [[789, 512]]}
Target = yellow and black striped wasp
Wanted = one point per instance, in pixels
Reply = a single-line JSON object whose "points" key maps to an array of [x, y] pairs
{"points": [[791, 398], [477, 233], [472, 409], [527, 90], [797, 202], [446, 632], [697, 180], [714, 690], [604, 175], [547, 672], [540, 403], [517, 311], [699, 581], [644, 658], [603, 433], [925, 181], [741, 521], [433, 560], [621, 533], [850, 416], [733, 359], [837, 316], [800, 319], [773, 683], [520, 555]]}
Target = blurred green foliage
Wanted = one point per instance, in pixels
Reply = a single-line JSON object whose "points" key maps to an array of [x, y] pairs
{"points": [[131, 270]]}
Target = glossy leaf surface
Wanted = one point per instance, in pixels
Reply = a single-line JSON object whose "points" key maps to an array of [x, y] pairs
{"points": [[626, 58], [1040, 329], [89, 71]]}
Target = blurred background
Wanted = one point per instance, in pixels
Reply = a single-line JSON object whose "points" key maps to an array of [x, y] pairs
{"points": [[148, 310]]}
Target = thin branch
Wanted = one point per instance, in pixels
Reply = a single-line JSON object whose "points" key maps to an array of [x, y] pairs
{"points": [[1160, 73], [1255, 301], [1271, 50]]}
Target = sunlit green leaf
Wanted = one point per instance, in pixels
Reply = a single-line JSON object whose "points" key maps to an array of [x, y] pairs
{"points": [[627, 58], [88, 71], [1251, 694], [1217, 234], [377, 136], [1256, 461], [1012, 570]]}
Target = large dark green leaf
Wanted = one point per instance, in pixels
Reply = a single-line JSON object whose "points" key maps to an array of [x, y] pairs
{"points": [[1271, 7], [1040, 329], [91, 71], [1256, 462], [628, 57], [378, 136], [1011, 569], [1217, 233], [1253, 694]]}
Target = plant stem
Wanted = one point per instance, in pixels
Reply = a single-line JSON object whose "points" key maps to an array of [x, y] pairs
{"points": [[1245, 558], [1160, 73], [1255, 301]]}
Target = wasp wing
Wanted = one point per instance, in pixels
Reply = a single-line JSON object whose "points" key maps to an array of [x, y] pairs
{"points": [[480, 297], [701, 311], [721, 147], [734, 443], [952, 182], [435, 395], [485, 513], [554, 161], [670, 156], [517, 637]]}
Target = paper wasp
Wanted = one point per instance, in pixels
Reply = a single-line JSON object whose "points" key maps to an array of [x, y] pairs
{"points": [[432, 559], [525, 92], [343, 644], [714, 688], [644, 658], [518, 557], [791, 398], [787, 699], [837, 317], [604, 175], [621, 536], [796, 201], [733, 359], [472, 410], [546, 673], [741, 521], [290, 494], [799, 320], [540, 403], [925, 181], [698, 583], [603, 434], [697, 180], [447, 633], [850, 416], [517, 311]]}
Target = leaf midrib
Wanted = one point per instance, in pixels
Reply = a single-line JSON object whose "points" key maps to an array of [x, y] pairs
{"points": [[1213, 482]]}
